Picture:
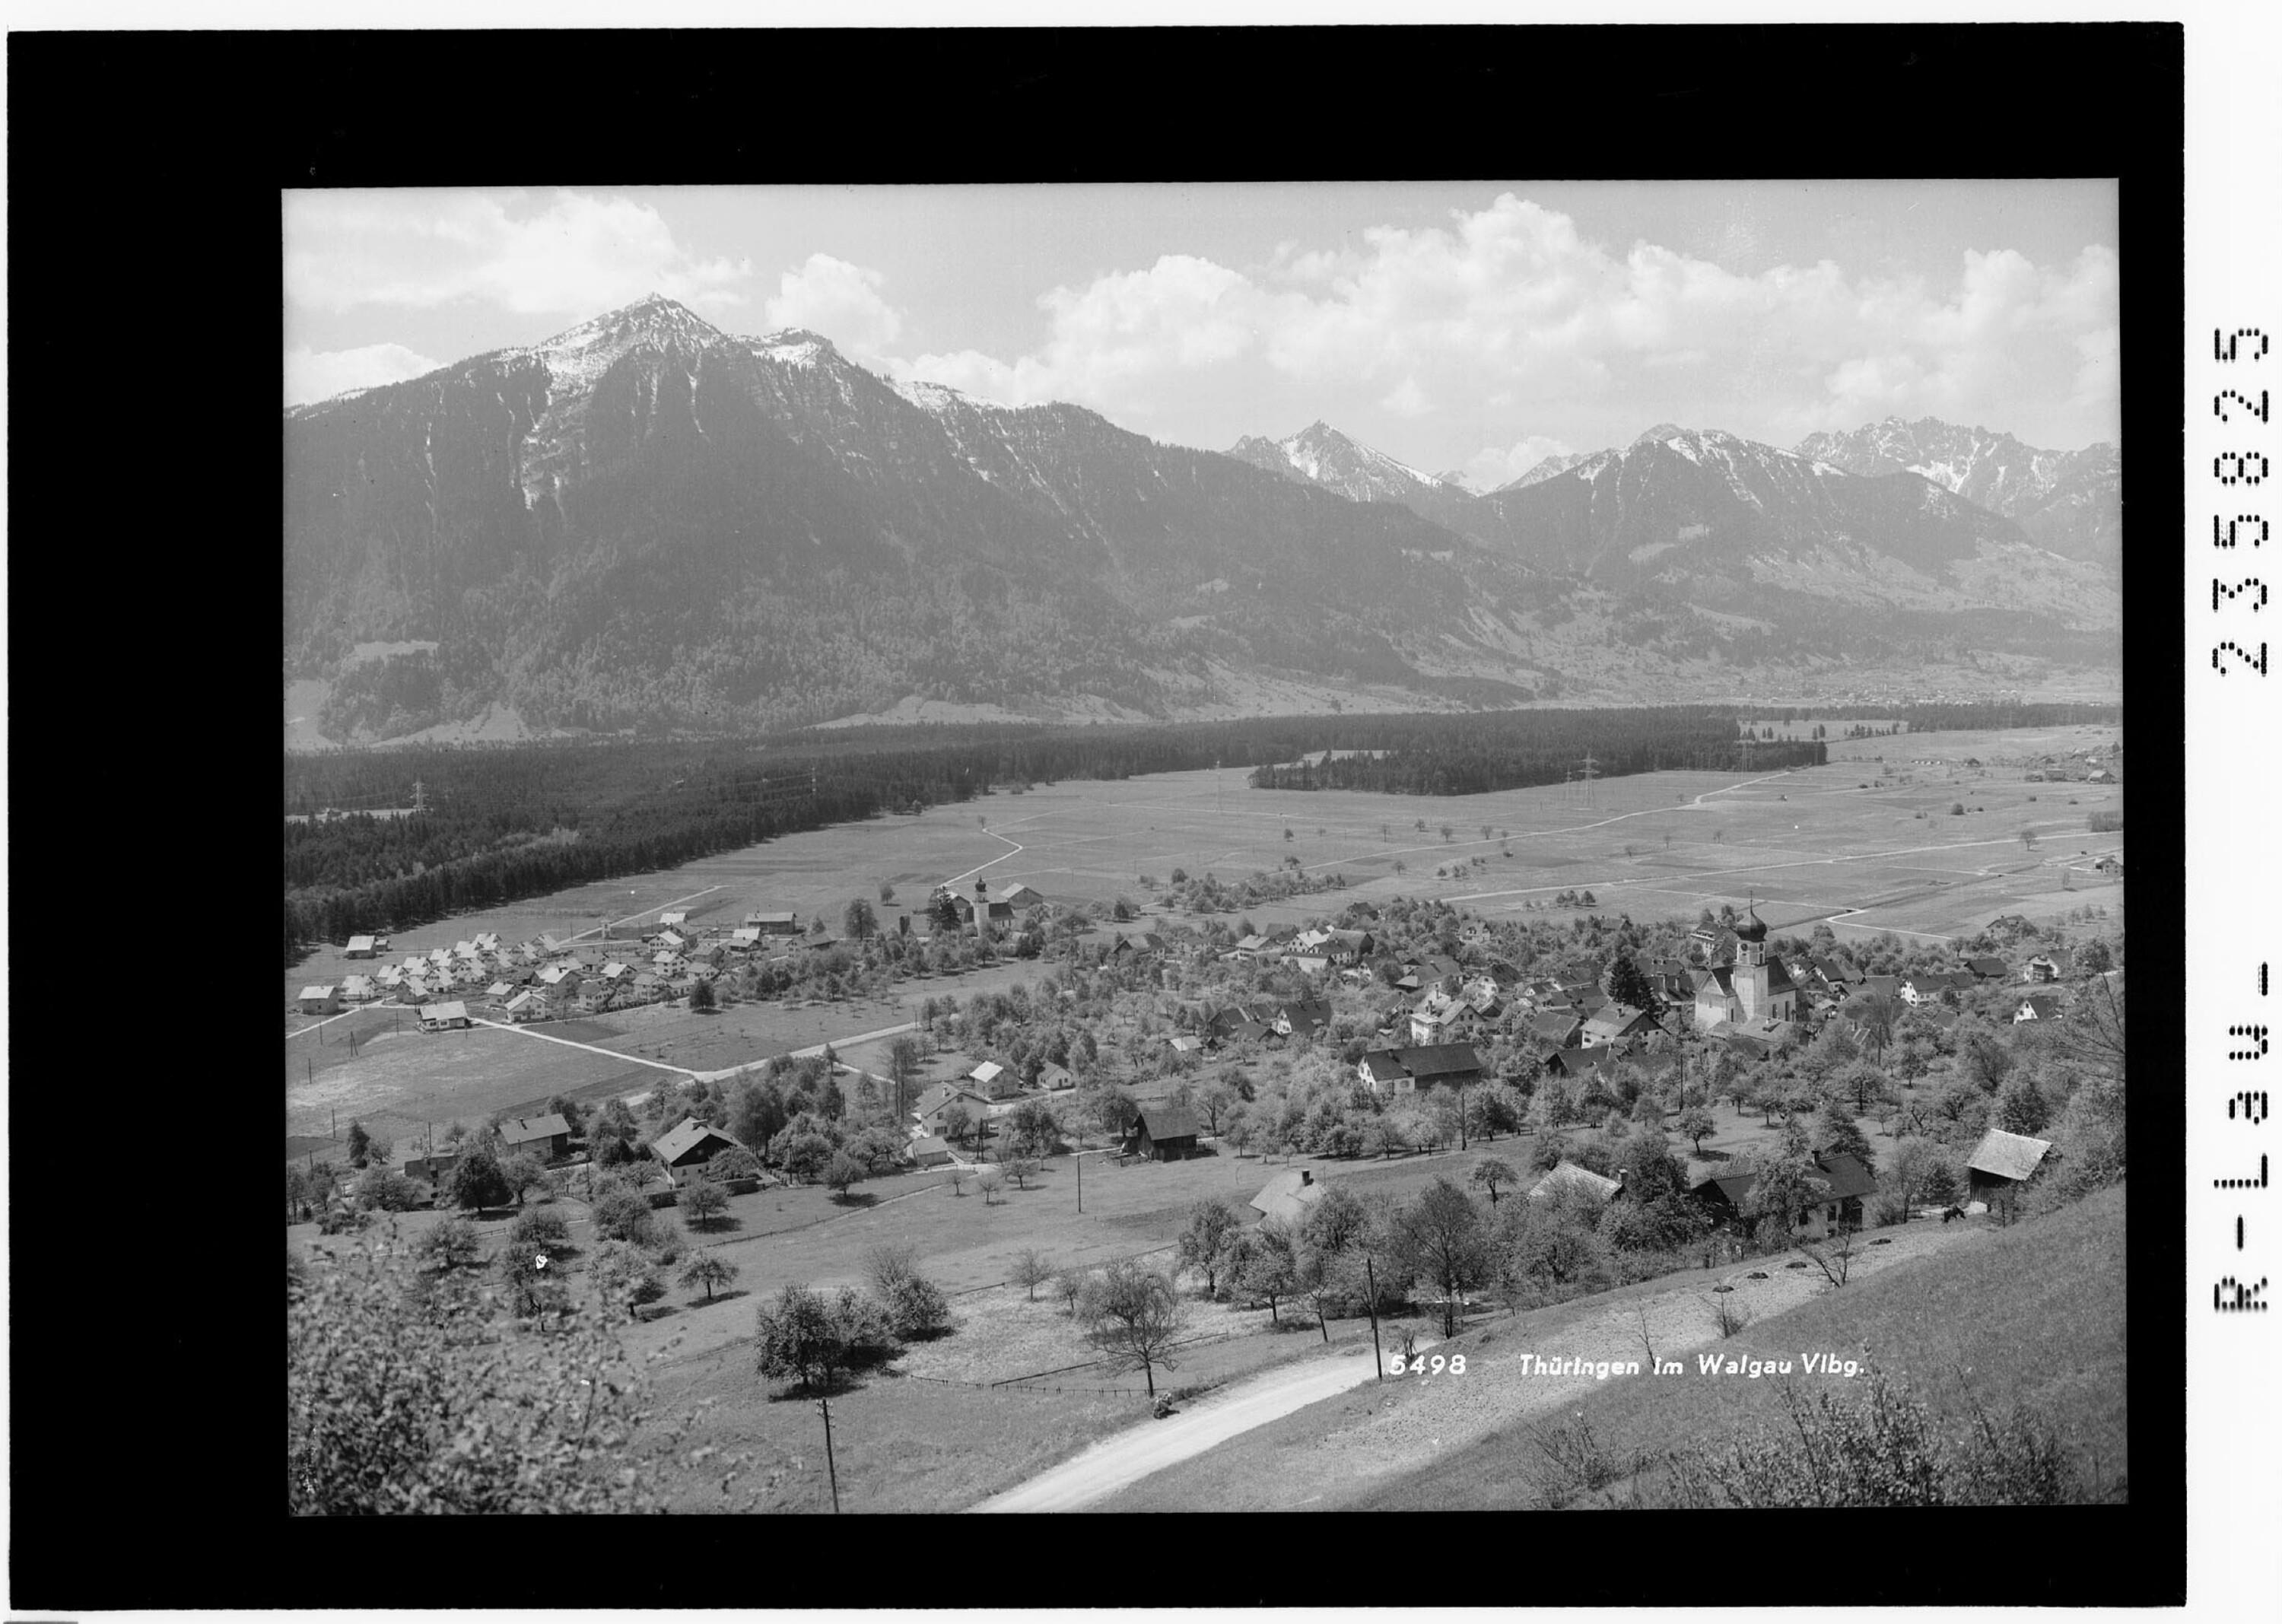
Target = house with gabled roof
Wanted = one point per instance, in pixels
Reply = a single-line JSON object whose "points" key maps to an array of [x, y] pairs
{"points": [[690, 1144], [524, 1007], [324, 999], [1403, 1070], [1578, 1062], [1562, 1028], [2003, 1160], [1842, 1182], [2037, 1006], [2055, 964], [1288, 1196], [1618, 1026], [1161, 1133], [358, 990], [452, 1016], [1566, 1175], [547, 1137], [358, 947]]}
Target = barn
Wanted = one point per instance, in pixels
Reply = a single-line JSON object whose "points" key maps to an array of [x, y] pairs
{"points": [[2002, 1161], [1161, 1133]]}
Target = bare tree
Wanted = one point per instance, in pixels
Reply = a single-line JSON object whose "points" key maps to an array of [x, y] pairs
{"points": [[1032, 1270], [1135, 1318]]}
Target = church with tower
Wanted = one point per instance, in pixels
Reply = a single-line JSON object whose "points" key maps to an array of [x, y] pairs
{"points": [[1756, 987]]}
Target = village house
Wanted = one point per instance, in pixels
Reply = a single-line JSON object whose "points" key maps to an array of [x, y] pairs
{"points": [[2058, 964], [500, 991], [1561, 1027], [677, 921], [452, 1016], [358, 990], [1574, 1063], [561, 980], [936, 1102], [615, 972], [2037, 1006], [1837, 1204], [1020, 898], [547, 1137], [322, 1000], [2002, 1161], [1161, 1133], [1403, 1070], [524, 1007], [690, 1144], [671, 942], [773, 924], [1985, 967], [435, 1166], [1288, 1196], [1053, 1078], [1929, 987], [1566, 1175], [358, 947], [928, 1151], [1618, 1026]]}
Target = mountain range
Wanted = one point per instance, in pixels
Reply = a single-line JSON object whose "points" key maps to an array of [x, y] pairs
{"points": [[645, 521]]}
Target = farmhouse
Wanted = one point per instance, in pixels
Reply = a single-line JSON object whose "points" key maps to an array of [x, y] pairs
{"points": [[1288, 1196], [547, 1136], [674, 921], [1161, 1133], [323, 1000], [2037, 1006], [773, 924], [690, 1144], [1985, 967], [1403, 1070], [2002, 1161], [436, 1164], [444, 1017], [1838, 1202], [937, 1100], [358, 947], [1020, 896]]}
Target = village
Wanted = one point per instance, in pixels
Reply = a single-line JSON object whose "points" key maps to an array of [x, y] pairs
{"points": [[1160, 1086]]}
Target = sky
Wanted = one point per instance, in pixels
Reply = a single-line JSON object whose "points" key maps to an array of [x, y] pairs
{"points": [[1471, 327]]}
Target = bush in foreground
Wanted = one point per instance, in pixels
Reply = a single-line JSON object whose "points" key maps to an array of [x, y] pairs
{"points": [[394, 1405]]}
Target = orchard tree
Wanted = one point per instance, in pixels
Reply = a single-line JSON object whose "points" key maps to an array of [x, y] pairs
{"points": [[1438, 1237], [1211, 1222], [799, 1336], [1032, 1270], [477, 1182], [843, 1173], [708, 1270], [1490, 1173], [1697, 1124], [702, 1202], [859, 921], [1135, 1318]]}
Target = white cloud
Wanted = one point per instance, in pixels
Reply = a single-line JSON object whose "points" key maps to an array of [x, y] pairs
{"points": [[320, 374], [1110, 343], [578, 254], [1509, 310], [838, 300]]}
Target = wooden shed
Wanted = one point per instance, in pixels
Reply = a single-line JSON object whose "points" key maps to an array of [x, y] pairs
{"points": [[1161, 1133]]}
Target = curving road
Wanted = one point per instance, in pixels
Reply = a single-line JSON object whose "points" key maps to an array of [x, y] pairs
{"points": [[1115, 1463]]}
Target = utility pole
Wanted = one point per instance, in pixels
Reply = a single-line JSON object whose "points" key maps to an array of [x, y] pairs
{"points": [[825, 1404], [1378, 1358], [1078, 1162]]}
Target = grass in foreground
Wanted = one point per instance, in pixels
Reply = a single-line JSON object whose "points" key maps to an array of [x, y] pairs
{"points": [[2033, 1317]]}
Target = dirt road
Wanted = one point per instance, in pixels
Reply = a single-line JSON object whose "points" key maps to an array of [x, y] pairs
{"points": [[1151, 1446]]}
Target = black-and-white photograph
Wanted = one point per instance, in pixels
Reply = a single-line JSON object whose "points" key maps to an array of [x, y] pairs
{"points": [[1170, 847]]}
